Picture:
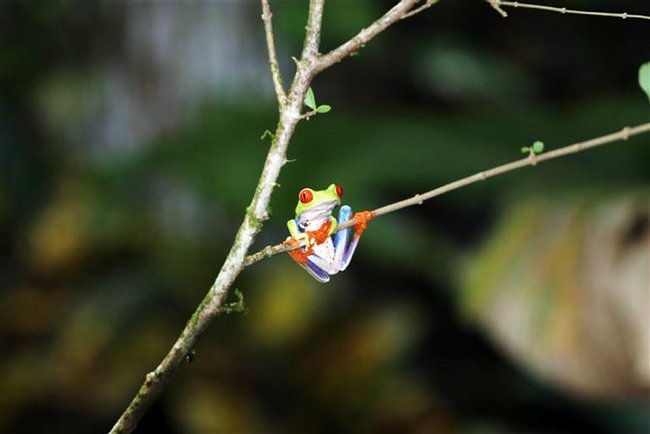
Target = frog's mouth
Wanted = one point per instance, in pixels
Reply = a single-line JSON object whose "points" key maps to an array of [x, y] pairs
{"points": [[318, 213]]}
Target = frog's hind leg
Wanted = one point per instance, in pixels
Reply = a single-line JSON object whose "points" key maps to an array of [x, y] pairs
{"points": [[343, 245], [324, 257], [316, 272], [304, 257]]}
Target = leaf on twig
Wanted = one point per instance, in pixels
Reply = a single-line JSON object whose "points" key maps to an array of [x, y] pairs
{"points": [[310, 99], [323, 108], [537, 148], [644, 78]]}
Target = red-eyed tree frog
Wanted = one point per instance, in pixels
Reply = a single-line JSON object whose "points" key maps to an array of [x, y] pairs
{"points": [[322, 254]]}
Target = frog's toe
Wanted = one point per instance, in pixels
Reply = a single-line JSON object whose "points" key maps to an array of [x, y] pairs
{"points": [[361, 220]]}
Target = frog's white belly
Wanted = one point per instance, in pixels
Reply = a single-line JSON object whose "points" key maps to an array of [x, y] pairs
{"points": [[325, 257], [325, 250]]}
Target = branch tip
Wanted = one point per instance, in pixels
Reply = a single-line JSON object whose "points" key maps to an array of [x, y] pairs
{"points": [[276, 74], [496, 5]]}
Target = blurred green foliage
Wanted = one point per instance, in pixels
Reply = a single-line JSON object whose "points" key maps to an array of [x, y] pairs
{"points": [[644, 78], [102, 261]]}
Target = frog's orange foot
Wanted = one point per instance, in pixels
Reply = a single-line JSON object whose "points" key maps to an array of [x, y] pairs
{"points": [[361, 220], [298, 254]]}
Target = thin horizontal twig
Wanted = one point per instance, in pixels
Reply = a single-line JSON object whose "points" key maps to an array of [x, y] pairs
{"points": [[496, 4], [418, 199]]}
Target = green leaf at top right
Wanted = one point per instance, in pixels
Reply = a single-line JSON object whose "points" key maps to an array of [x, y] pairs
{"points": [[644, 78]]}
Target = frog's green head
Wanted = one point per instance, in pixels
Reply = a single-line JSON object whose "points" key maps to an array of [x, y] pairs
{"points": [[319, 202]]}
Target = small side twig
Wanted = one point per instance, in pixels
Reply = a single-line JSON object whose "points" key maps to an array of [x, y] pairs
{"points": [[308, 115], [418, 199], [276, 74], [396, 13], [496, 4], [427, 4]]}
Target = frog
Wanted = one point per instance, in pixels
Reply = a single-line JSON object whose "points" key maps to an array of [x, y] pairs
{"points": [[321, 249]]}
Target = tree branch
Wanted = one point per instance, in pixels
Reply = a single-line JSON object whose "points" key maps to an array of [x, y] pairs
{"points": [[258, 210], [401, 10], [427, 4], [276, 74], [312, 37], [496, 4], [418, 199]]}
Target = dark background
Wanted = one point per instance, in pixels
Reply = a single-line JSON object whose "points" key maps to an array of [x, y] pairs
{"points": [[129, 150]]}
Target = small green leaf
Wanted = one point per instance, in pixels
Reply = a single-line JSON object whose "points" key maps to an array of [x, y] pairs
{"points": [[525, 150], [323, 108], [266, 133], [310, 99], [644, 78], [538, 147]]}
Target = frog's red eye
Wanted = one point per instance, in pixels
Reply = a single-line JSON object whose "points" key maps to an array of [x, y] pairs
{"points": [[339, 190], [305, 195]]}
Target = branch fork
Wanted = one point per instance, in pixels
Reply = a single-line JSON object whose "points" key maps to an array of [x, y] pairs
{"points": [[289, 106]]}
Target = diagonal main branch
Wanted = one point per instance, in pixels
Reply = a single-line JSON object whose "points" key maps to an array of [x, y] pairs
{"points": [[418, 199], [276, 74]]}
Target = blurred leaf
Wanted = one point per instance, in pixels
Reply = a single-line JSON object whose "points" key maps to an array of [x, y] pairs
{"points": [[323, 109], [538, 147], [29, 311], [451, 68], [204, 407], [285, 306], [552, 281], [60, 237], [644, 78], [365, 348]]}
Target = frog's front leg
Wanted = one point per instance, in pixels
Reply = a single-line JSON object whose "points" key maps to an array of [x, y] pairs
{"points": [[316, 257]]}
